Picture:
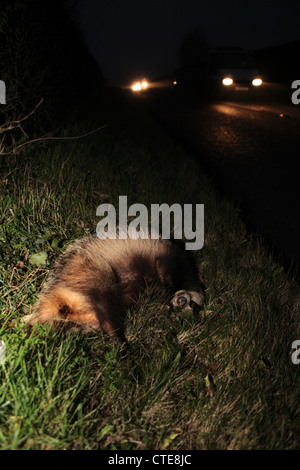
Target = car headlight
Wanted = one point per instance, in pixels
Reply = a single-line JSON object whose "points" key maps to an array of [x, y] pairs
{"points": [[257, 81], [136, 86], [227, 81], [140, 85]]}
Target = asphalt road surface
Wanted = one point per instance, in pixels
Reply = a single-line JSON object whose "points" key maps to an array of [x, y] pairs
{"points": [[250, 146]]}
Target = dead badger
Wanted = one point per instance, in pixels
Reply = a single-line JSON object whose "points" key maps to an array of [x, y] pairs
{"points": [[95, 282]]}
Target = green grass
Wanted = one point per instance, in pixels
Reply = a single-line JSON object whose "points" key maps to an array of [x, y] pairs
{"points": [[224, 380]]}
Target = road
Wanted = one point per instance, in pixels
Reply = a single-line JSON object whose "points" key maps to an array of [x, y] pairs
{"points": [[251, 150]]}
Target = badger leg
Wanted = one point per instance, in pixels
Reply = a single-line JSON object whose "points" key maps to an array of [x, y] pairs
{"points": [[109, 310], [114, 329]]}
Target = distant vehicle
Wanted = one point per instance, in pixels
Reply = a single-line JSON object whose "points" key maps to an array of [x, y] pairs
{"points": [[140, 85], [234, 69]]}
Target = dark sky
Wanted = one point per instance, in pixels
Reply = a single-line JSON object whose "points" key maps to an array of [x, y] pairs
{"points": [[130, 38]]}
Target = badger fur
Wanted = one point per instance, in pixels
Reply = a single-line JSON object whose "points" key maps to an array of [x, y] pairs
{"points": [[96, 281]]}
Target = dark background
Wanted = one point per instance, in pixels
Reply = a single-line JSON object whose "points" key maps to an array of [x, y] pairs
{"points": [[132, 38], [68, 53]]}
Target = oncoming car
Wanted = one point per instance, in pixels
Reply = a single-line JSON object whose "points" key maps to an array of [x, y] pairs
{"points": [[235, 70], [140, 85]]}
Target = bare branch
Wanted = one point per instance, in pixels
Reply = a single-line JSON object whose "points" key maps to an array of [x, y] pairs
{"points": [[40, 139], [10, 125]]}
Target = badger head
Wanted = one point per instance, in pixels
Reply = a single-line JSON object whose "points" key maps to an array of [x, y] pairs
{"points": [[188, 300]]}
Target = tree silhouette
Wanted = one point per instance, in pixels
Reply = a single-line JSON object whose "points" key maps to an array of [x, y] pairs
{"points": [[193, 50], [45, 65], [43, 55]]}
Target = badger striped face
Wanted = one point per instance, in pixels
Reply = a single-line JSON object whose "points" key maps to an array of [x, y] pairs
{"points": [[188, 300]]}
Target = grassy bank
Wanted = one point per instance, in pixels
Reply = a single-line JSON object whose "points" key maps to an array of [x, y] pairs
{"points": [[224, 381]]}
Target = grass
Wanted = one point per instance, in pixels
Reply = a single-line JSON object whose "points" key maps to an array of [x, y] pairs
{"points": [[221, 381]]}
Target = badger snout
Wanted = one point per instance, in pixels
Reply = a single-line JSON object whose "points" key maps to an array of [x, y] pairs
{"points": [[188, 300], [181, 301]]}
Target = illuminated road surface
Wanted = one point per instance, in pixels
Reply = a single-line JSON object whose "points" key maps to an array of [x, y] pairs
{"points": [[251, 149]]}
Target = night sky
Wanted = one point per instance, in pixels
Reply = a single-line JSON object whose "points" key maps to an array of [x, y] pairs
{"points": [[130, 38]]}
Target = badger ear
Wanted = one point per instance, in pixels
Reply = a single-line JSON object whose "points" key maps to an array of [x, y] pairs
{"points": [[195, 306]]}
